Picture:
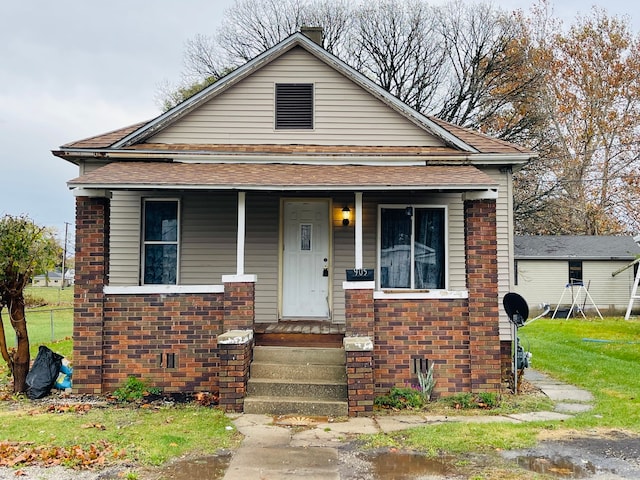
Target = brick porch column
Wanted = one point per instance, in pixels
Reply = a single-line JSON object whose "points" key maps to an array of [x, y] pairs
{"points": [[91, 265], [482, 283], [239, 302], [359, 309], [360, 385], [235, 350]]}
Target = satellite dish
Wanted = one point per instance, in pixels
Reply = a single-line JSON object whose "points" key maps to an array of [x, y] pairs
{"points": [[516, 308]]}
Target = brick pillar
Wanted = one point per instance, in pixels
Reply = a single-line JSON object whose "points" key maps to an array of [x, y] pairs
{"points": [[360, 385], [482, 283], [359, 309], [235, 351], [239, 301], [91, 265]]}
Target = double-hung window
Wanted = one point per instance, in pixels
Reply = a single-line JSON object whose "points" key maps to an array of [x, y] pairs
{"points": [[412, 247], [160, 239]]}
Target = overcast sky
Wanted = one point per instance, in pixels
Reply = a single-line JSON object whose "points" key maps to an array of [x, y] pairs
{"points": [[70, 69]]}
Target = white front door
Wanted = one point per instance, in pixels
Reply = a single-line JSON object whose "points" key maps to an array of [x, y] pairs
{"points": [[306, 252]]}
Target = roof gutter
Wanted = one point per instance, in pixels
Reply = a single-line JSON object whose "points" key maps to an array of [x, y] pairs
{"points": [[258, 157], [104, 187]]}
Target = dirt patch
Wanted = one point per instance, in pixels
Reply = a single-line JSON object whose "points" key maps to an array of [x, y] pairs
{"points": [[597, 453]]}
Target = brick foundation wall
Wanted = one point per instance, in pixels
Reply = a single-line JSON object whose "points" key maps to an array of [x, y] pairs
{"points": [[91, 266], [433, 329], [167, 340], [482, 284]]}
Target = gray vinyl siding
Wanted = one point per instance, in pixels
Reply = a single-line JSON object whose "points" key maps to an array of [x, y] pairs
{"points": [[124, 238], [208, 238], [344, 113], [261, 252], [545, 281]]}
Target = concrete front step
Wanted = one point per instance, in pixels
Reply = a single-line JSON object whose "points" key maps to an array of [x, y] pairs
{"points": [[297, 381], [279, 371], [295, 406], [299, 355], [261, 387]]}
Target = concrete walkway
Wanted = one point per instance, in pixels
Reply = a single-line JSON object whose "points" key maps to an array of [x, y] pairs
{"points": [[276, 449]]}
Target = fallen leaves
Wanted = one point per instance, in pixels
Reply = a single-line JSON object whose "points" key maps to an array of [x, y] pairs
{"points": [[14, 454], [79, 408], [98, 426], [206, 399]]}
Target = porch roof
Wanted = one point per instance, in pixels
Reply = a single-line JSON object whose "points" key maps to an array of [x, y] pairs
{"points": [[278, 176]]}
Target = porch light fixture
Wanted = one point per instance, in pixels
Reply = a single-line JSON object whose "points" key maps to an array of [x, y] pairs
{"points": [[346, 216]]}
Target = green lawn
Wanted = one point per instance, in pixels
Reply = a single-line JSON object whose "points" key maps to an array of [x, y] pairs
{"points": [[47, 323], [602, 356]]}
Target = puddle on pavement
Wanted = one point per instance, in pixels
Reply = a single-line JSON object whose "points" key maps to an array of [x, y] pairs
{"points": [[561, 467], [201, 468], [407, 466]]}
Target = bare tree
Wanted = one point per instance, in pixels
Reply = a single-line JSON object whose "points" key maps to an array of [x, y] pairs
{"points": [[490, 84], [396, 44]]}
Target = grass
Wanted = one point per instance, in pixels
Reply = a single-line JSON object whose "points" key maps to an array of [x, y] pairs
{"points": [[148, 436], [602, 356], [56, 309]]}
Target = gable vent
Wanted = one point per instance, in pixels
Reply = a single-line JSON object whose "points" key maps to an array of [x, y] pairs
{"points": [[294, 106]]}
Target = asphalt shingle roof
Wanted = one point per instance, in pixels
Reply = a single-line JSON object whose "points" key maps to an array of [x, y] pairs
{"points": [[277, 176], [579, 247]]}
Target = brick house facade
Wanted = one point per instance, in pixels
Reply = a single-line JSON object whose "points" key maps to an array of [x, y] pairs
{"points": [[225, 242]]}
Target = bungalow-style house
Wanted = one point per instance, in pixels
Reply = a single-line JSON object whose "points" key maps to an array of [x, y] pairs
{"points": [[549, 269], [292, 202]]}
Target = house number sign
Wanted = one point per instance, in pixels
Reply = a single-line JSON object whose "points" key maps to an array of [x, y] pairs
{"points": [[360, 275]]}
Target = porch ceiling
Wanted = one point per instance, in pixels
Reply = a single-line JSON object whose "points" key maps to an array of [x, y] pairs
{"points": [[276, 176]]}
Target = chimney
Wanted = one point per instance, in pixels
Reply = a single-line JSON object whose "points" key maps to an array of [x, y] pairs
{"points": [[314, 33]]}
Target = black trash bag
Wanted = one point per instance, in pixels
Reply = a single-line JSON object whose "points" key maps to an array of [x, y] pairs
{"points": [[44, 373]]}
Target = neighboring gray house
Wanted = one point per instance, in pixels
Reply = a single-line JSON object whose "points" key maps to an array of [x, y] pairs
{"points": [[52, 279], [546, 264]]}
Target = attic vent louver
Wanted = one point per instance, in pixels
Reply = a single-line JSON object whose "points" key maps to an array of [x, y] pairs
{"points": [[294, 106]]}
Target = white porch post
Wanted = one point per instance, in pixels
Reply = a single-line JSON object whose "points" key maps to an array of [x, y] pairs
{"points": [[241, 233], [358, 230]]}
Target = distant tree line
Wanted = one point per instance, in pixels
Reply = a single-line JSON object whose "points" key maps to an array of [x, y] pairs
{"points": [[570, 94]]}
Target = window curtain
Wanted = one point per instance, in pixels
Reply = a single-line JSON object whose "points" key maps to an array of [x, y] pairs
{"points": [[429, 248], [395, 251]]}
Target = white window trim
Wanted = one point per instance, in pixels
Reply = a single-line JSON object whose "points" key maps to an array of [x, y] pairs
{"points": [[144, 243], [421, 292]]}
